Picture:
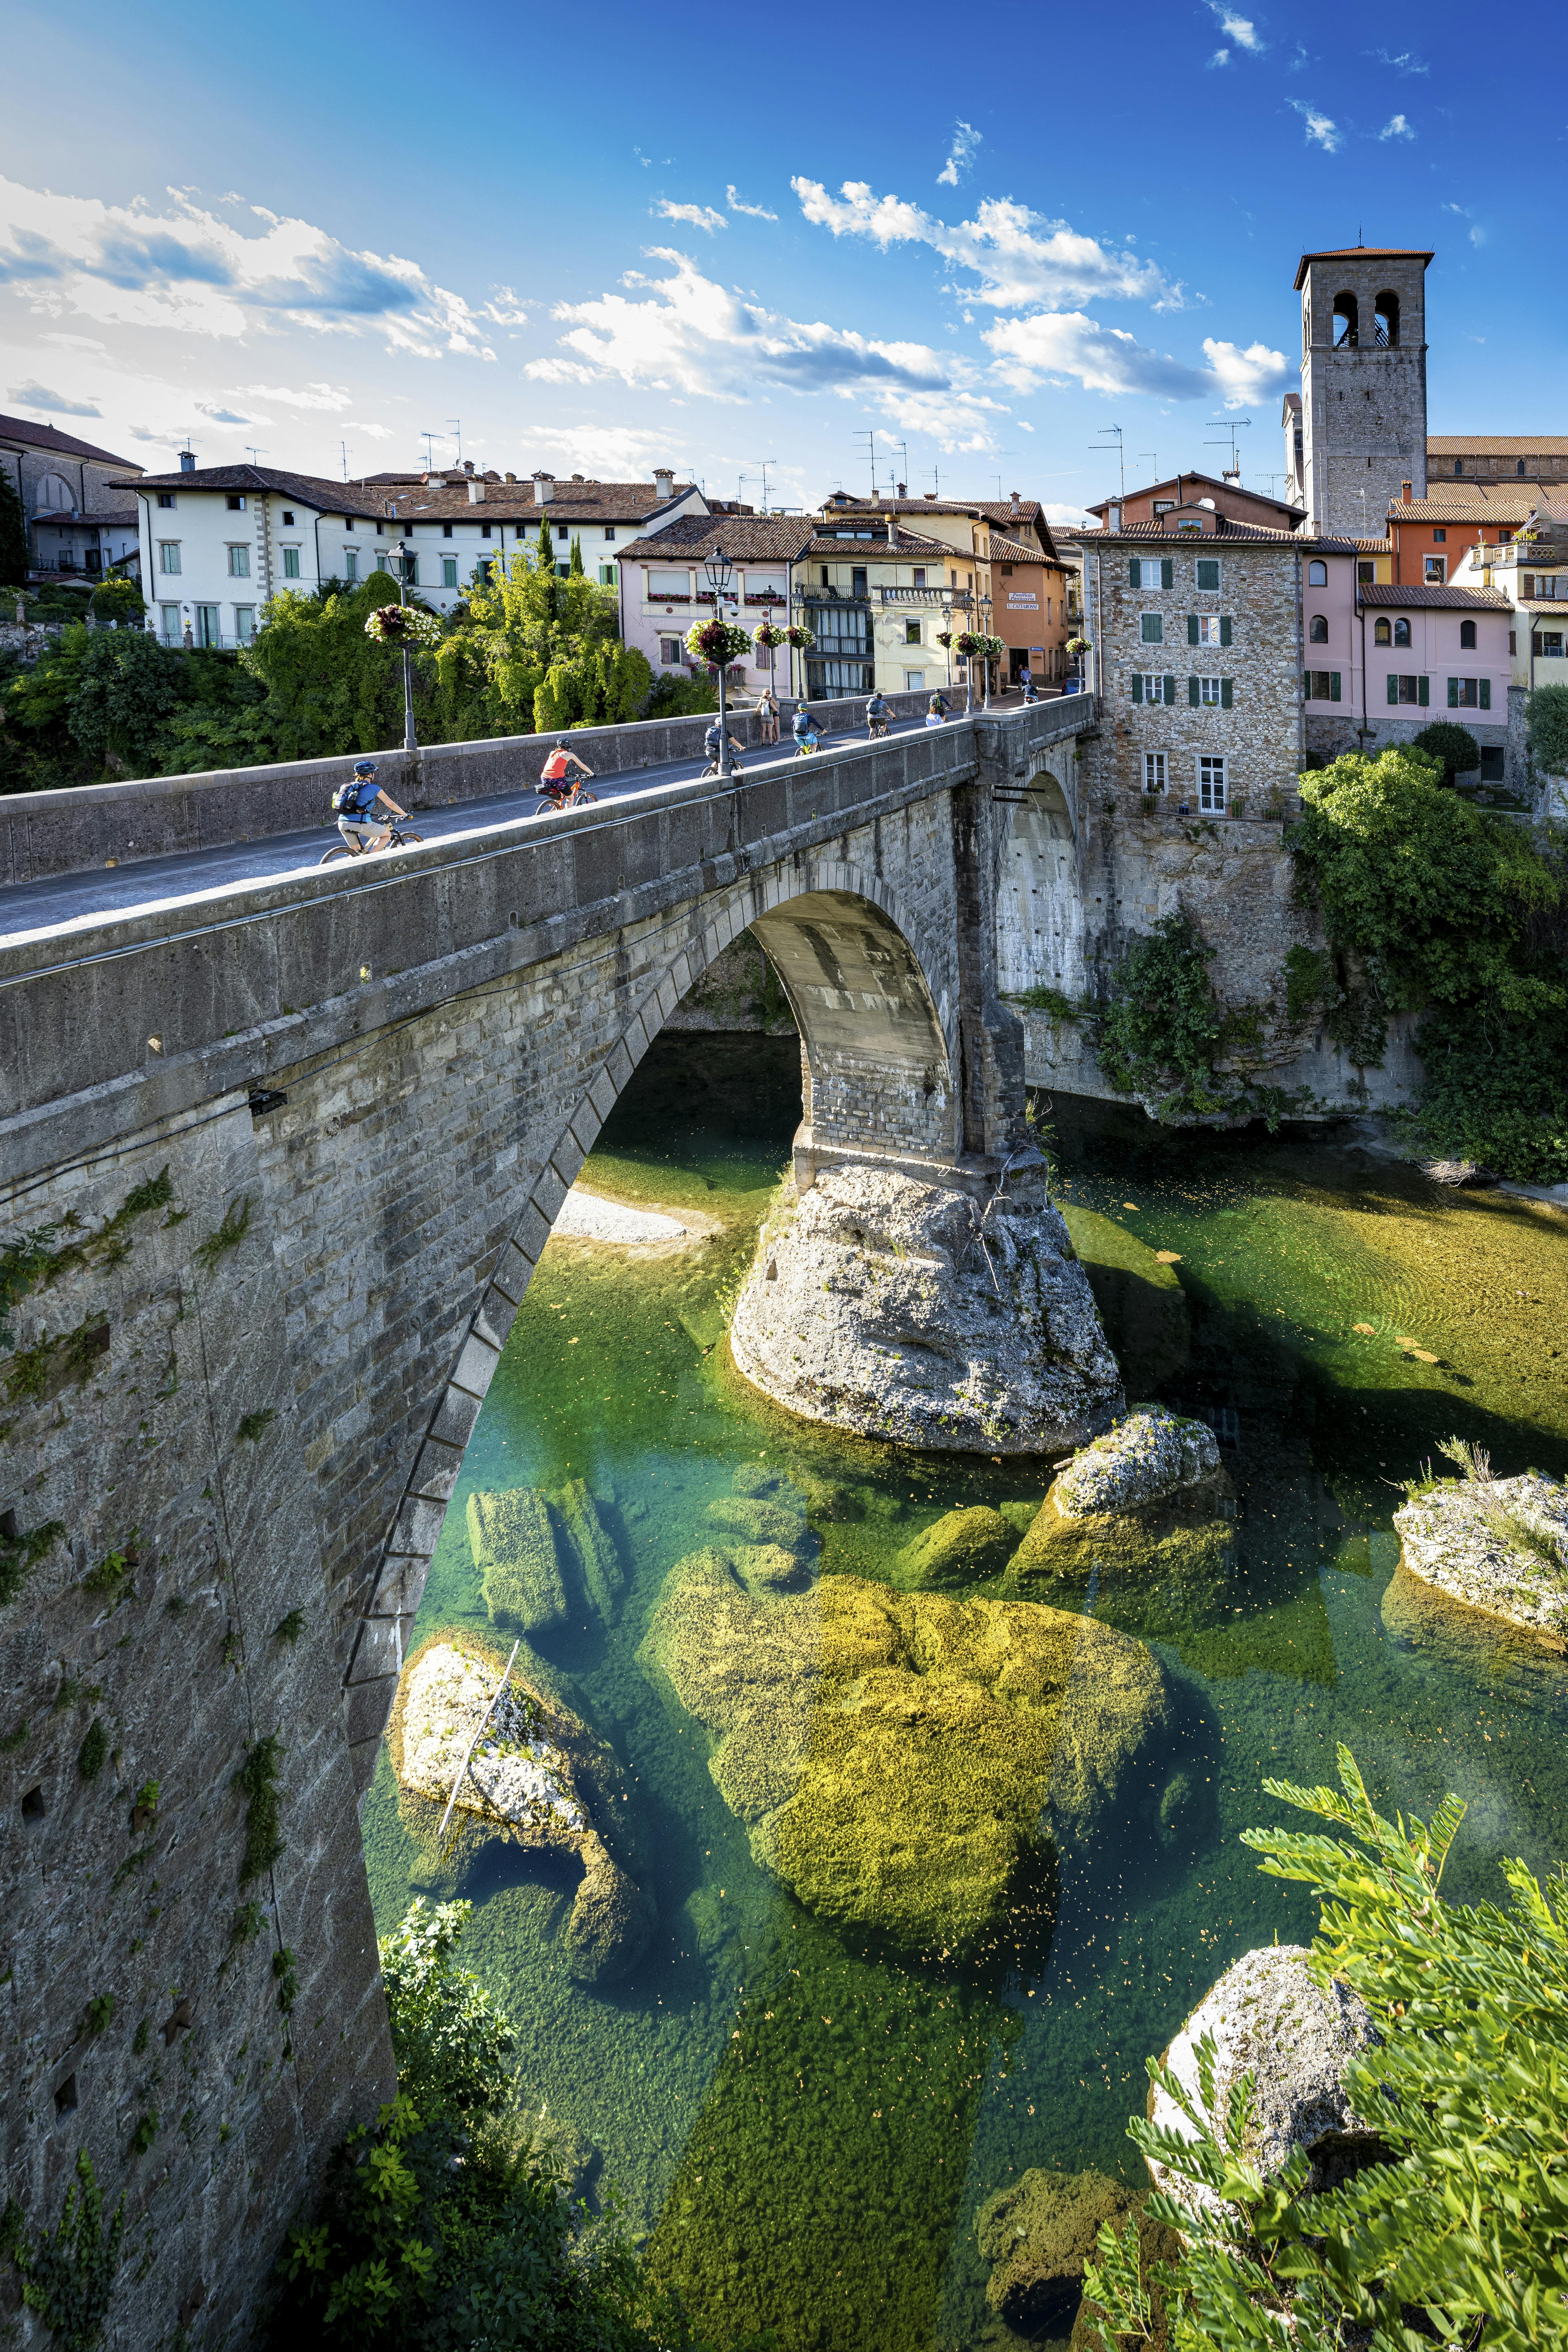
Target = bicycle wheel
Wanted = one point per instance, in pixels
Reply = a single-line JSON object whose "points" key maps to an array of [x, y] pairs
{"points": [[404, 840], [342, 850], [580, 797]]}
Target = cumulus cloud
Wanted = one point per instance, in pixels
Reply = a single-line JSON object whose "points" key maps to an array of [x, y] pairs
{"points": [[753, 211], [1237, 28], [1019, 256], [1321, 126], [702, 216], [38, 396], [966, 143], [308, 395], [1396, 127], [188, 269], [1061, 346], [1242, 377]]}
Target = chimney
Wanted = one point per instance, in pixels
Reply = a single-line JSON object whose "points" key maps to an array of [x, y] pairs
{"points": [[468, 465], [892, 533], [904, 490], [1014, 502], [930, 496], [187, 461], [1404, 492], [1113, 515], [477, 491], [543, 488], [663, 482], [511, 478]]}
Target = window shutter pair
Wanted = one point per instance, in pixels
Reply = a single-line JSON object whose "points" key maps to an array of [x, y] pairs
{"points": [[1424, 691]]}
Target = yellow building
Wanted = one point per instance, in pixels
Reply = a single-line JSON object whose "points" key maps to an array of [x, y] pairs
{"points": [[877, 596]]}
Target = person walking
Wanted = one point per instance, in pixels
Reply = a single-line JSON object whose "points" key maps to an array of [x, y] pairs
{"points": [[936, 711], [767, 716]]}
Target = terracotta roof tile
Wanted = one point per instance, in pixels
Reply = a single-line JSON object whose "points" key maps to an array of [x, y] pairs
{"points": [[1447, 598], [1497, 445], [749, 539], [63, 445]]}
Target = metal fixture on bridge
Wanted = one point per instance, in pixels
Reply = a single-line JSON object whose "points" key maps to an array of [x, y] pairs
{"points": [[406, 556]]}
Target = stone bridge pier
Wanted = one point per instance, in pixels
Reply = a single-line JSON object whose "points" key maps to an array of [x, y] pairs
{"points": [[278, 1162]]}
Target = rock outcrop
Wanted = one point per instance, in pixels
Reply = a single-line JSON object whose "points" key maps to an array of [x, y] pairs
{"points": [[904, 1761], [535, 1775], [1269, 2017], [883, 1305], [545, 1562], [1037, 2235], [1149, 1454], [961, 1548], [1496, 1544]]}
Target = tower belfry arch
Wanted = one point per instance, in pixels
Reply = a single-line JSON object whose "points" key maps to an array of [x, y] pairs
{"points": [[1362, 416]]}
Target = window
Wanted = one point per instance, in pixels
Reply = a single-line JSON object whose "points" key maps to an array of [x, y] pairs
{"points": [[1385, 322], [1188, 523], [920, 576], [165, 498], [1207, 576], [351, 564], [207, 630], [1149, 688], [1318, 629], [291, 563], [1402, 633], [1513, 641], [168, 555], [1469, 694], [1209, 693], [858, 581], [668, 587], [669, 651], [240, 562], [1547, 644], [1208, 628], [1467, 636], [609, 531], [1151, 572], [170, 616], [914, 681], [287, 520], [1163, 505], [448, 572], [1382, 633], [1409, 689], [447, 530], [1211, 780], [235, 503], [484, 531], [826, 581], [1520, 467], [1153, 771], [606, 575], [1434, 570], [1317, 574], [1346, 323], [244, 622], [348, 522], [411, 569], [1366, 573], [1150, 629], [1438, 535], [1320, 685], [912, 633]]}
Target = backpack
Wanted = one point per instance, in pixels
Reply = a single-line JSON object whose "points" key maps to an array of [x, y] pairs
{"points": [[355, 798]]}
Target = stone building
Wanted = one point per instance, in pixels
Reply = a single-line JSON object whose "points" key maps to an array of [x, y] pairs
{"points": [[1153, 499], [1362, 415], [81, 518]]}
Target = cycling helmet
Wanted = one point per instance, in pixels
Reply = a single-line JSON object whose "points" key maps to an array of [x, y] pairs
{"points": [[365, 767], [561, 742]]}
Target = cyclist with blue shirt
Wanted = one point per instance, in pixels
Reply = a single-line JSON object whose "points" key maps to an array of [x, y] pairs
{"points": [[354, 804]]}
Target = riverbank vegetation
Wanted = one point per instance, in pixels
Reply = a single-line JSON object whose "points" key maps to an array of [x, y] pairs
{"points": [[1456, 2231]]}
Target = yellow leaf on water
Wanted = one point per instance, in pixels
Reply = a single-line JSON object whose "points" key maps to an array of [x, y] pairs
{"points": [[1367, 1330], [1404, 1341], [1129, 1205], [1168, 1258], [1422, 1357]]}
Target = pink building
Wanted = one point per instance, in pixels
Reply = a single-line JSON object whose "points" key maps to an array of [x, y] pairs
{"points": [[663, 589], [1379, 662]]}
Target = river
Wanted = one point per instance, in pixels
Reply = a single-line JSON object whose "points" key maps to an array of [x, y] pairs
{"points": [[803, 2129]]}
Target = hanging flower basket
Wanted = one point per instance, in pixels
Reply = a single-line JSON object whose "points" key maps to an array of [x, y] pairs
{"points": [[1077, 646], [944, 637], [718, 642], [403, 624], [967, 642], [767, 637], [801, 638]]}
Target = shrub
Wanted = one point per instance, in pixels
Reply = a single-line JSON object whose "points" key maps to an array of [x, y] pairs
{"points": [[1452, 746], [1163, 1034], [1546, 728], [1460, 2235]]}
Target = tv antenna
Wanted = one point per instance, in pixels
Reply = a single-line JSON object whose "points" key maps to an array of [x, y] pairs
{"points": [[1120, 453], [1229, 426], [1153, 457], [762, 463], [254, 454], [344, 447], [455, 424], [870, 439]]}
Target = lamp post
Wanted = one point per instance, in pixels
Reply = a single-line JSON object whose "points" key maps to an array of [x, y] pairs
{"points": [[410, 741], [717, 570]]}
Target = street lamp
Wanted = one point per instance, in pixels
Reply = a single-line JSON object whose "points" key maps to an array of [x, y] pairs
{"points": [[717, 570], [405, 558]]}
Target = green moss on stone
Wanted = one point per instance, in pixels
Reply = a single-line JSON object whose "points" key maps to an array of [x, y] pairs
{"points": [[514, 1551], [962, 1548], [1037, 2235], [597, 1558]]}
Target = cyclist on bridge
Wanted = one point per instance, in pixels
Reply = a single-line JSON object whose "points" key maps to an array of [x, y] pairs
{"points": [[355, 806], [553, 780]]}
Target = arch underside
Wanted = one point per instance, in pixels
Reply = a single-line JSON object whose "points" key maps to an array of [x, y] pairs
{"points": [[1039, 900]]}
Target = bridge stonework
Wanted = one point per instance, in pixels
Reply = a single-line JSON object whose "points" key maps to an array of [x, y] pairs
{"points": [[242, 1389]]}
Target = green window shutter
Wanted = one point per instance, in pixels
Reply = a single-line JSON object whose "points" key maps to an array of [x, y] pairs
{"points": [[1137, 686], [1486, 694], [1169, 689], [1167, 573], [1224, 693], [1224, 628], [1453, 694], [1192, 628], [1424, 691], [1393, 687], [1193, 692], [1132, 571], [1333, 686]]}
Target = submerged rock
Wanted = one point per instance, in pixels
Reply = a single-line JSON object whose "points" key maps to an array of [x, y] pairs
{"points": [[1037, 2236], [1269, 2018], [902, 1762], [598, 1562], [513, 1546], [535, 1775], [1496, 1544], [876, 1304], [962, 1548], [1150, 1454], [757, 1521]]}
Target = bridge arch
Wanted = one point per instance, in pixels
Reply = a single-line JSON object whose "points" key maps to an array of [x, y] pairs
{"points": [[878, 1021], [1039, 896]]}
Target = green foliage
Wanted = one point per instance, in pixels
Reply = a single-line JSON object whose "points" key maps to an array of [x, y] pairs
{"points": [[1163, 1033], [1460, 2234], [21, 1552], [450, 2043], [1048, 1000], [286, 1977], [1546, 728], [1452, 747], [119, 601], [257, 1778], [110, 1575], [250, 1425], [289, 1629], [69, 2278], [98, 2014], [330, 689], [13, 536], [145, 2133], [93, 1754], [682, 698], [230, 1233], [1495, 1092]]}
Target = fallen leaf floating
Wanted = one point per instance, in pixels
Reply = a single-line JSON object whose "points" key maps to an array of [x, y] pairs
{"points": [[1130, 1204], [1422, 1357], [1367, 1330], [1168, 1258], [1404, 1341]]}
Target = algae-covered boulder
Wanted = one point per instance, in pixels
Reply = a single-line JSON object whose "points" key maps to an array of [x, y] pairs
{"points": [[754, 1520], [1149, 1454], [903, 1761], [961, 1548], [597, 1561], [1496, 1544], [525, 1769], [1035, 2237], [513, 1544]]}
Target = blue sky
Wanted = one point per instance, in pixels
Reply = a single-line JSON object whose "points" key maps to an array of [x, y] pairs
{"points": [[603, 244]]}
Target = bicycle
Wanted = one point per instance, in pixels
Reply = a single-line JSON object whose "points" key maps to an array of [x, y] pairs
{"points": [[712, 769], [876, 729], [805, 745], [552, 803], [396, 840]]}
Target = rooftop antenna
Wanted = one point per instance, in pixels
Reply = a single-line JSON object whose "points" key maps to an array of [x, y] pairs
{"points": [[455, 424], [344, 447], [254, 454], [429, 460], [1228, 425], [903, 449], [936, 477], [1120, 454], [764, 463], [870, 439], [1153, 457]]}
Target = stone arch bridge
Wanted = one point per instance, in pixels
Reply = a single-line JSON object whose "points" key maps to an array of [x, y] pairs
{"points": [[278, 1163]]}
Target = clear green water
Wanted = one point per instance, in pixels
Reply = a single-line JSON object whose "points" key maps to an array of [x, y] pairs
{"points": [[804, 2131]]}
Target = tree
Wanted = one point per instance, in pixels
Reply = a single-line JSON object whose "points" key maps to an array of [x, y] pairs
{"points": [[576, 561], [13, 536], [127, 687], [1453, 746], [546, 556], [330, 689], [1546, 728]]}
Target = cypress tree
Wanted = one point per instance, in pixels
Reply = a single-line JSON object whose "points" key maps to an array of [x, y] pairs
{"points": [[576, 562], [546, 545]]}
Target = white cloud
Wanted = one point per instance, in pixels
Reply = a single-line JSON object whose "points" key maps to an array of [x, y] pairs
{"points": [[753, 211], [1320, 126], [38, 396], [1060, 345], [310, 395], [1018, 255], [966, 143], [560, 371], [504, 308], [1396, 127], [1239, 30], [1220, 57], [1477, 234], [702, 216], [188, 270], [615, 453], [1243, 377], [1406, 62], [225, 415]]}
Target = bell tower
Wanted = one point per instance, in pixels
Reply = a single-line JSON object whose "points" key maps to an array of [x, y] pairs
{"points": [[1363, 384]]}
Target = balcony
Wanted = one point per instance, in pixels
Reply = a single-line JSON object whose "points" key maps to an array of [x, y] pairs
{"points": [[958, 598]]}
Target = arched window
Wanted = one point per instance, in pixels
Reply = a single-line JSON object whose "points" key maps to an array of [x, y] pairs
{"points": [[1318, 631], [1381, 635], [1459, 465], [1347, 321], [1386, 323], [1468, 636], [1317, 574], [56, 496], [1402, 633], [1520, 467]]}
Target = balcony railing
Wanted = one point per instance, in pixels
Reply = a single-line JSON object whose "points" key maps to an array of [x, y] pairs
{"points": [[942, 596]]}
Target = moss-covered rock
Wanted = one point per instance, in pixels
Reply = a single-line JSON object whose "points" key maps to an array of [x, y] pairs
{"points": [[1149, 1454], [756, 1520], [962, 1548], [514, 1549], [596, 1556], [1037, 2236], [903, 1761]]}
